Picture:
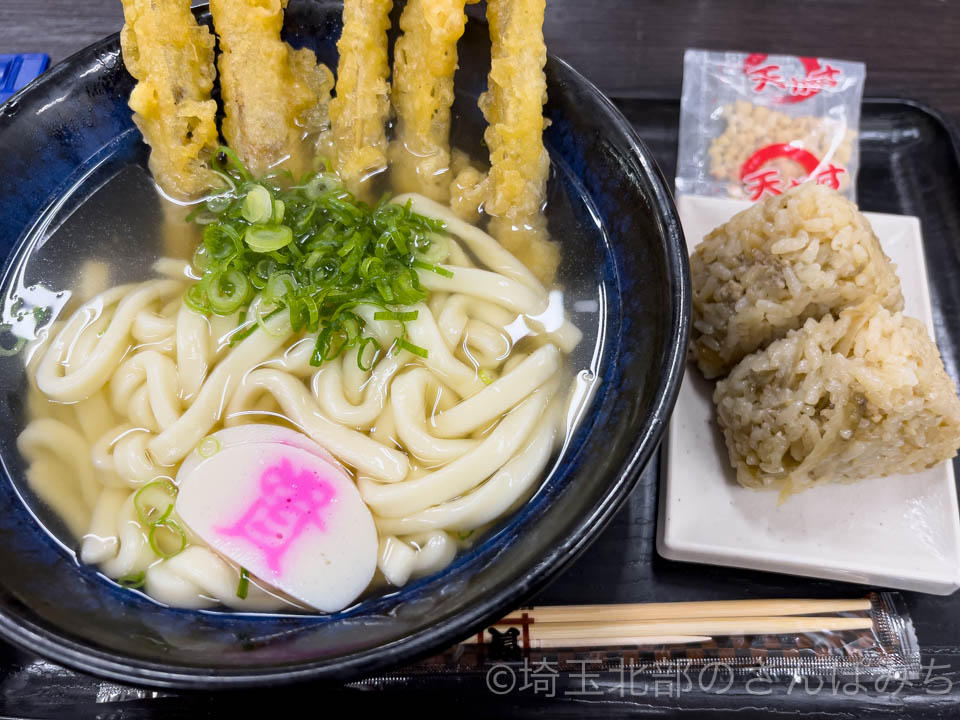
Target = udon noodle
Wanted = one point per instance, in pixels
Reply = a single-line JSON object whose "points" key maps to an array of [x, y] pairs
{"points": [[387, 378], [134, 380]]}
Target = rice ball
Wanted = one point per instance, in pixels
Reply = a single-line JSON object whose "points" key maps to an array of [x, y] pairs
{"points": [[863, 395], [803, 254]]}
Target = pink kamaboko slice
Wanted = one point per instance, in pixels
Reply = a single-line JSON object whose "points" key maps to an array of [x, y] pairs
{"points": [[246, 434], [292, 518]]}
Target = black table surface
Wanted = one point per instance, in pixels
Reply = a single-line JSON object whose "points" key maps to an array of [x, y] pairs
{"points": [[634, 48]]}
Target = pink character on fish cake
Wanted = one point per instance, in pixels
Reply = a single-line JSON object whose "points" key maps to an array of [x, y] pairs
{"points": [[288, 503]]}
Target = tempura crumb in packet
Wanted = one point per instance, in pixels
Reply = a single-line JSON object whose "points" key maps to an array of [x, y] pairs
{"points": [[753, 125]]}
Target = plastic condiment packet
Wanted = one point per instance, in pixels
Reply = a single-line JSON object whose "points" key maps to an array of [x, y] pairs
{"points": [[886, 651], [753, 124]]}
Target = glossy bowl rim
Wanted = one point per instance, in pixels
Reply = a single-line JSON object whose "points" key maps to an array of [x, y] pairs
{"points": [[43, 642]]}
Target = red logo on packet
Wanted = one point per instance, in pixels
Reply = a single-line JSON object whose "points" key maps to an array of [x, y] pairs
{"points": [[796, 89], [759, 181], [762, 182], [830, 176]]}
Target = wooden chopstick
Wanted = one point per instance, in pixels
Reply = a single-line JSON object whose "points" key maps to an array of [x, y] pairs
{"points": [[629, 612], [645, 624], [639, 641], [688, 626]]}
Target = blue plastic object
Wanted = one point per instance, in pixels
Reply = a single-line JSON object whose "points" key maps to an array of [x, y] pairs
{"points": [[17, 70]]}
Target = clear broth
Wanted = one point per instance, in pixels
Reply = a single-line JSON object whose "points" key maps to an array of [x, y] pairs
{"points": [[115, 217]]}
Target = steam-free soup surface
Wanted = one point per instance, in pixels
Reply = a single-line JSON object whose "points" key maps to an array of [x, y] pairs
{"points": [[441, 450]]}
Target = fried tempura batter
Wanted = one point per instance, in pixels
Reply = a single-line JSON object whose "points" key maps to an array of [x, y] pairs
{"points": [[359, 111], [171, 57], [424, 61], [469, 187], [272, 94], [513, 107]]}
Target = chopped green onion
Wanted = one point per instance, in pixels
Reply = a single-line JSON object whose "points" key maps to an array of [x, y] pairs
{"points": [[147, 502], [227, 180], [376, 353], [436, 251], [433, 268], [217, 204], [243, 334], [278, 287], [9, 351], [320, 184], [244, 585], [132, 581], [166, 514], [201, 258], [226, 161], [174, 528], [278, 209], [202, 216], [485, 377], [267, 238], [410, 347], [222, 242], [273, 178], [257, 206], [42, 315], [208, 447], [227, 291], [195, 298], [351, 328], [406, 288], [329, 346], [262, 322], [151, 497], [393, 315], [314, 252]]}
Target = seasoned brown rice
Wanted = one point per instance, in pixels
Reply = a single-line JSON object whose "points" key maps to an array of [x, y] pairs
{"points": [[803, 254], [865, 395]]}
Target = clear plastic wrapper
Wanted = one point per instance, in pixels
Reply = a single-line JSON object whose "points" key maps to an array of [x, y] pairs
{"points": [[876, 664], [888, 651], [753, 124]]}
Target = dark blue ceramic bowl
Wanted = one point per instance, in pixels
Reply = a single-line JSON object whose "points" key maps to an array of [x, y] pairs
{"points": [[624, 244]]}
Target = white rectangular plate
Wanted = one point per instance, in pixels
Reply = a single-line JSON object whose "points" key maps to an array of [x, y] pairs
{"points": [[901, 531]]}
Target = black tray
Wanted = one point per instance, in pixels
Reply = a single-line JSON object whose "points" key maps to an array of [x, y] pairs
{"points": [[910, 164]]}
